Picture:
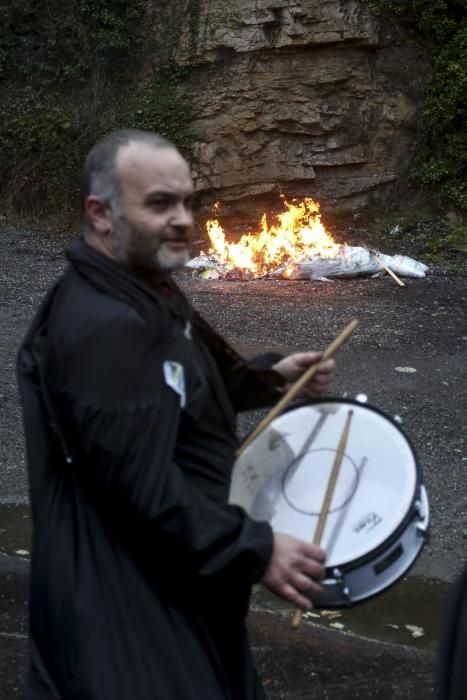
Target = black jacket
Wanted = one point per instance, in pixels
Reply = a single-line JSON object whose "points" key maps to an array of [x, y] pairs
{"points": [[452, 655], [141, 572]]}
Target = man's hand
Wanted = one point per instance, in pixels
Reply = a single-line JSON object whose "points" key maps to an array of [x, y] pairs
{"points": [[292, 367], [295, 570]]}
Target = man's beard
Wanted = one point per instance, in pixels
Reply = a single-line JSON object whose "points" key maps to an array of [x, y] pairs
{"points": [[137, 251]]}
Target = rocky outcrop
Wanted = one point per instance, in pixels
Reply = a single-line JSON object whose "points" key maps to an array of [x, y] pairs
{"points": [[306, 97]]}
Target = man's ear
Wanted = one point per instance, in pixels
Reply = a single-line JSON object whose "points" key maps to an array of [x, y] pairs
{"points": [[98, 215]]}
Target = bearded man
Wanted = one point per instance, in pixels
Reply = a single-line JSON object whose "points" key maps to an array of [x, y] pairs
{"points": [[141, 572]]}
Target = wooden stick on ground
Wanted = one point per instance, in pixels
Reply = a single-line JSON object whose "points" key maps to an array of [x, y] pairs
{"points": [[389, 271], [328, 498], [299, 384]]}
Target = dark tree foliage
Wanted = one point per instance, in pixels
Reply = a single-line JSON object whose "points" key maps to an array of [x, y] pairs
{"points": [[441, 25], [70, 71]]}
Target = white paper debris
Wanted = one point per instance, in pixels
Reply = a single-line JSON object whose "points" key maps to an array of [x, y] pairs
{"points": [[350, 262], [331, 614], [337, 625], [407, 370], [22, 552], [415, 631], [204, 262], [208, 274], [404, 266]]}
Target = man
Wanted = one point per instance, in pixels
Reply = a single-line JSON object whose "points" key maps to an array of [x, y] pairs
{"points": [[141, 571]]}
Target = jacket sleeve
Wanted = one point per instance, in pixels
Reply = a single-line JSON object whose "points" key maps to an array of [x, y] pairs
{"points": [[250, 384], [253, 383], [120, 419]]}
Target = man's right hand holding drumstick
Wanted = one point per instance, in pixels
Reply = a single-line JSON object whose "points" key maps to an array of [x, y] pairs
{"points": [[295, 570]]}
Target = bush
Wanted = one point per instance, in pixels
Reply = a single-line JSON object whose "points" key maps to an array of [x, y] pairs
{"points": [[69, 73], [441, 158]]}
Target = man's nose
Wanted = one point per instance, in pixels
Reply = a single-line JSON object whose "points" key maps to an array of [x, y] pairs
{"points": [[182, 216]]}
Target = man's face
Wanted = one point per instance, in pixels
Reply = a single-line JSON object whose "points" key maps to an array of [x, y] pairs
{"points": [[153, 228]]}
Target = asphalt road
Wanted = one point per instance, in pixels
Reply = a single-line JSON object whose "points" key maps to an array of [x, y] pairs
{"points": [[422, 326]]}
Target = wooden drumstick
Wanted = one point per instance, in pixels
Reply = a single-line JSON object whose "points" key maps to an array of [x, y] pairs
{"points": [[328, 498], [389, 271], [299, 384]]}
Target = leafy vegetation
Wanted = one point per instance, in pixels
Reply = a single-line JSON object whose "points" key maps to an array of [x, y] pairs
{"points": [[441, 158], [69, 73]]}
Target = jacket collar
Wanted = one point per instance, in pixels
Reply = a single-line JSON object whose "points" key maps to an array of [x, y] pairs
{"points": [[115, 279]]}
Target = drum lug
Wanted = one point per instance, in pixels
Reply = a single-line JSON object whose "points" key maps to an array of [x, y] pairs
{"points": [[418, 508], [340, 582], [420, 528], [421, 531], [346, 595]]}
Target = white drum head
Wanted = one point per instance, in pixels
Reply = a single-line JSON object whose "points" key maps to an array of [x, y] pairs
{"points": [[283, 475]]}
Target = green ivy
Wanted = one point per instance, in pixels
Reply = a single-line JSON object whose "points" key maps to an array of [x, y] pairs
{"points": [[54, 42], [41, 126], [441, 157], [72, 71], [159, 106]]}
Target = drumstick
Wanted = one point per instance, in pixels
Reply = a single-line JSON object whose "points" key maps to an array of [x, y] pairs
{"points": [[389, 271], [328, 498], [299, 384]]}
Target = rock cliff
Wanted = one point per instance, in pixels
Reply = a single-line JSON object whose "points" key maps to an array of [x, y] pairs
{"points": [[306, 97]]}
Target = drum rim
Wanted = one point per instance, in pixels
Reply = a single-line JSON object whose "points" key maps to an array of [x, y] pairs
{"points": [[395, 536]]}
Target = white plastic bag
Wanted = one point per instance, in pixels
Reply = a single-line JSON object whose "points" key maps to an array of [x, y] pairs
{"points": [[404, 266], [350, 261]]}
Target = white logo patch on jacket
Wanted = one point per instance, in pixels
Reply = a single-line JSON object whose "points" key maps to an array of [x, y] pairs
{"points": [[174, 376]]}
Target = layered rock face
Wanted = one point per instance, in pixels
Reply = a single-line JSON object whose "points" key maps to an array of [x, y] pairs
{"points": [[302, 97]]}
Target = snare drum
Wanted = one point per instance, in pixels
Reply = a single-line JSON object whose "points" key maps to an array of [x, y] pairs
{"points": [[378, 517]]}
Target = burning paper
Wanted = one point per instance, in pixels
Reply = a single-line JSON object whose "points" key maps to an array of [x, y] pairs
{"points": [[297, 247]]}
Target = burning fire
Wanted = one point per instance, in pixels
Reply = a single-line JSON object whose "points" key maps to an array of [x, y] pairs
{"points": [[299, 233]]}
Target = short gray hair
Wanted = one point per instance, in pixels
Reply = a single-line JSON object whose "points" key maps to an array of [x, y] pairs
{"points": [[99, 175]]}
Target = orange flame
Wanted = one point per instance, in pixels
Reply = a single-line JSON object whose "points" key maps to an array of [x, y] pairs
{"points": [[299, 233]]}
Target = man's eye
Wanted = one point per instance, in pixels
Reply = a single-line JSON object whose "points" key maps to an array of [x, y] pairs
{"points": [[159, 204]]}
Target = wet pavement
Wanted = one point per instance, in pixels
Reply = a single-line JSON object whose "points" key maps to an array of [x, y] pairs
{"points": [[315, 663], [407, 614], [383, 648], [14, 584], [15, 529]]}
